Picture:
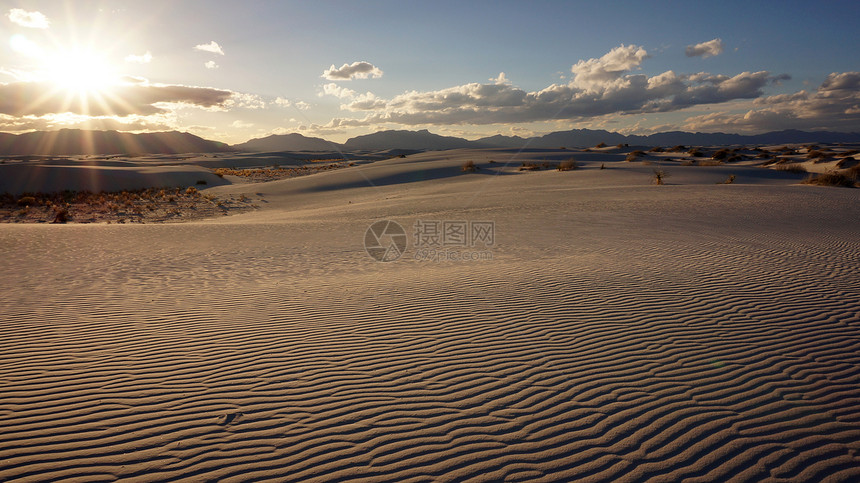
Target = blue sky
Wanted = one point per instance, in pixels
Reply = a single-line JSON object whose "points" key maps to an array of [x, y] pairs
{"points": [[232, 71]]}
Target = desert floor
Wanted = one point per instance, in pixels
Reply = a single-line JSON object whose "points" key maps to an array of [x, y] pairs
{"points": [[613, 330]]}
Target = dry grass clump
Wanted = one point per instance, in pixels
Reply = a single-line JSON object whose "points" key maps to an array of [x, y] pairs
{"points": [[791, 168], [634, 155], [529, 166], [275, 172], [729, 180], [659, 176], [568, 165], [831, 178], [678, 149], [695, 152], [656, 149], [815, 154], [468, 167], [721, 154], [601, 145]]}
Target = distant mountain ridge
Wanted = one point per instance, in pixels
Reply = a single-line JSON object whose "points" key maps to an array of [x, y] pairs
{"points": [[67, 142], [424, 140], [81, 142]]}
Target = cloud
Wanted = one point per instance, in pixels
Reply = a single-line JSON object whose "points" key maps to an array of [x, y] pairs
{"points": [[707, 49], [35, 20], [592, 73], [356, 70], [241, 124], [835, 105], [20, 99], [212, 47], [600, 87], [211, 65], [284, 102], [139, 59]]}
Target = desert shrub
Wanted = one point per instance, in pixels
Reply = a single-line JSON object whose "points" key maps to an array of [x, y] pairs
{"points": [[656, 149], [695, 152], [791, 168], [568, 165], [546, 165], [602, 166], [659, 176], [630, 158], [26, 201], [527, 166], [815, 154], [61, 216], [729, 180], [735, 158], [601, 145], [721, 154], [831, 178], [191, 191], [678, 149], [469, 167]]}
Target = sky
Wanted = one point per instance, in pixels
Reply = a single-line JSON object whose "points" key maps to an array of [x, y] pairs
{"points": [[237, 70]]}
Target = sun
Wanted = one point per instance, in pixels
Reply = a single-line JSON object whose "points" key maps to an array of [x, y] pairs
{"points": [[79, 71]]}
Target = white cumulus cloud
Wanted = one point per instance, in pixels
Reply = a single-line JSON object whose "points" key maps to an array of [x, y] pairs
{"points": [[210, 64], [707, 49], [356, 70], [35, 20], [139, 59], [212, 47]]}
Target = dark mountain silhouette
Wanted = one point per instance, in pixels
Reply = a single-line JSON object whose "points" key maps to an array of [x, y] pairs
{"points": [[287, 142], [421, 140], [426, 141], [77, 142]]}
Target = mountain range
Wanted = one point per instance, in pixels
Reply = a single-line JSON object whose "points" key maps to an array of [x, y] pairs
{"points": [[426, 141], [79, 142]]}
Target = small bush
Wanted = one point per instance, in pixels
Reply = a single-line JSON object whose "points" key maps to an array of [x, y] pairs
{"points": [[61, 216], [791, 168], [656, 149], [26, 201], [721, 154], [659, 176], [527, 166], [601, 145], [568, 165], [191, 191], [729, 180], [678, 149], [695, 152], [602, 166], [831, 178], [469, 167], [815, 154]]}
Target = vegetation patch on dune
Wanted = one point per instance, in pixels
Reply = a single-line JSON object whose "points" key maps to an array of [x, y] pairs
{"points": [[275, 172], [129, 206]]}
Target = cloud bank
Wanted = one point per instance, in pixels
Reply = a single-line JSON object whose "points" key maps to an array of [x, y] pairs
{"points": [[134, 98], [599, 87], [35, 20], [707, 49], [356, 70]]}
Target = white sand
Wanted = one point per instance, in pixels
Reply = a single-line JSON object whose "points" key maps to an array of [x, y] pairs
{"points": [[621, 331]]}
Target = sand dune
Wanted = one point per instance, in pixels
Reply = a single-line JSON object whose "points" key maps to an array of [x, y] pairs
{"points": [[620, 331]]}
